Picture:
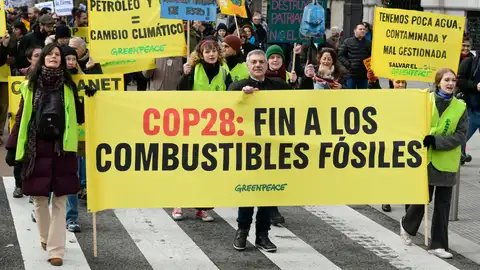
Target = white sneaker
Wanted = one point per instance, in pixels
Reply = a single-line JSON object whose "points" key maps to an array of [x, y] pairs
{"points": [[177, 214], [202, 214], [404, 235], [441, 253]]}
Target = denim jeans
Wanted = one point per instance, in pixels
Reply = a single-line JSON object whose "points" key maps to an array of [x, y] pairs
{"points": [[473, 126], [245, 218], [72, 200], [356, 83]]}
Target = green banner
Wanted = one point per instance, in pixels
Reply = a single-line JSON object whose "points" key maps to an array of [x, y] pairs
{"points": [[284, 19]]}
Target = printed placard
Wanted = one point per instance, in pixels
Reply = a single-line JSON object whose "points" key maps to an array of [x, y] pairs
{"points": [[413, 45]]}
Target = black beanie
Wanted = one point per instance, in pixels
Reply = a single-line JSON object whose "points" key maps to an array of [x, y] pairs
{"points": [[222, 26], [67, 50], [62, 31]]}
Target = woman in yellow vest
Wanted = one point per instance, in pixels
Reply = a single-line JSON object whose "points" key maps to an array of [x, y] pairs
{"points": [[448, 131], [44, 141], [276, 65], [204, 71]]}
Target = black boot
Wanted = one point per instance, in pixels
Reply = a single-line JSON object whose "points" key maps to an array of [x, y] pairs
{"points": [[386, 208], [240, 241], [263, 242], [276, 218]]}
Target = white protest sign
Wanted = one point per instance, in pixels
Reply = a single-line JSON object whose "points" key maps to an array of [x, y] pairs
{"points": [[63, 7], [45, 5]]}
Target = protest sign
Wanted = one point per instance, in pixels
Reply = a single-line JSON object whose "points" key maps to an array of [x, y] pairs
{"points": [[127, 66], [190, 10], [112, 82], [284, 19], [233, 7], [413, 45], [132, 30], [330, 147], [81, 32], [3, 20], [63, 7], [17, 3], [48, 4], [119, 66]]}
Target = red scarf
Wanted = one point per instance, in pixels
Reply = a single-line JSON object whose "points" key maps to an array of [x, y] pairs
{"points": [[281, 73]]}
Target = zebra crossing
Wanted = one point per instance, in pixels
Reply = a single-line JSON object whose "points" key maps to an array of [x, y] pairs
{"points": [[314, 237]]}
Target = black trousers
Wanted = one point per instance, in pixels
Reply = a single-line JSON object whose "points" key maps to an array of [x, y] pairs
{"points": [[245, 218], [17, 169], [414, 216]]}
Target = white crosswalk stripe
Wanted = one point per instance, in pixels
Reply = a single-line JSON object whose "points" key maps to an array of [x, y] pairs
{"points": [[33, 254], [159, 242]]}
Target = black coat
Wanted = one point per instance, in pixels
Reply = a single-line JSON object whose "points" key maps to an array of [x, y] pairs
{"points": [[468, 78], [267, 84], [352, 53]]}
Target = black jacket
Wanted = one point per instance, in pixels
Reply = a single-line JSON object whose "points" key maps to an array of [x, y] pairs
{"points": [[352, 53], [267, 84], [28, 41], [467, 81]]}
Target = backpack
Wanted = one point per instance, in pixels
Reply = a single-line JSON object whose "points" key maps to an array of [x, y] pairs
{"points": [[50, 116], [313, 20]]}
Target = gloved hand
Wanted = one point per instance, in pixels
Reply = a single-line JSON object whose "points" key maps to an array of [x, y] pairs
{"points": [[89, 91], [10, 158], [429, 141]]}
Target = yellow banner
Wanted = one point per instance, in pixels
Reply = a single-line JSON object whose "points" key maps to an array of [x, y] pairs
{"points": [[100, 82], [81, 32], [233, 7], [3, 20], [133, 31], [4, 73], [413, 45], [120, 66], [127, 66], [331, 147]]}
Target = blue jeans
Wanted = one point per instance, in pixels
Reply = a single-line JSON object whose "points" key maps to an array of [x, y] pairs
{"points": [[473, 126], [356, 83], [245, 218], [72, 200]]}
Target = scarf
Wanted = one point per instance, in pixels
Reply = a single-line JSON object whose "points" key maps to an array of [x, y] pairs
{"points": [[211, 69], [443, 95], [281, 73], [49, 80]]}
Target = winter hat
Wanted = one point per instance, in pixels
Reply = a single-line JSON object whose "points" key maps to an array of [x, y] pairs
{"points": [[275, 49], [67, 50], [221, 26], [62, 31], [234, 42]]}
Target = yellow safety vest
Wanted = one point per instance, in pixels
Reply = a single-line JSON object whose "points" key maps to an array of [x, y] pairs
{"points": [[445, 125], [70, 135], [200, 80], [239, 72]]}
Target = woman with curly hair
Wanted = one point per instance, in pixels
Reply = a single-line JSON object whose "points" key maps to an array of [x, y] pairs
{"points": [[328, 74], [204, 70]]}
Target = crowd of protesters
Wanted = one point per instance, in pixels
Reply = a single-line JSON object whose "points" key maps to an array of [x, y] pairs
{"points": [[49, 163]]}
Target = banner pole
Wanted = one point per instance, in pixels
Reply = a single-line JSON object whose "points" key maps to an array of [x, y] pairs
{"points": [[188, 41], [236, 25], [94, 222], [294, 56], [426, 225]]}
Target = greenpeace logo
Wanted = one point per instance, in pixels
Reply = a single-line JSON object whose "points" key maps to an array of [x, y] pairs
{"points": [[260, 188]]}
